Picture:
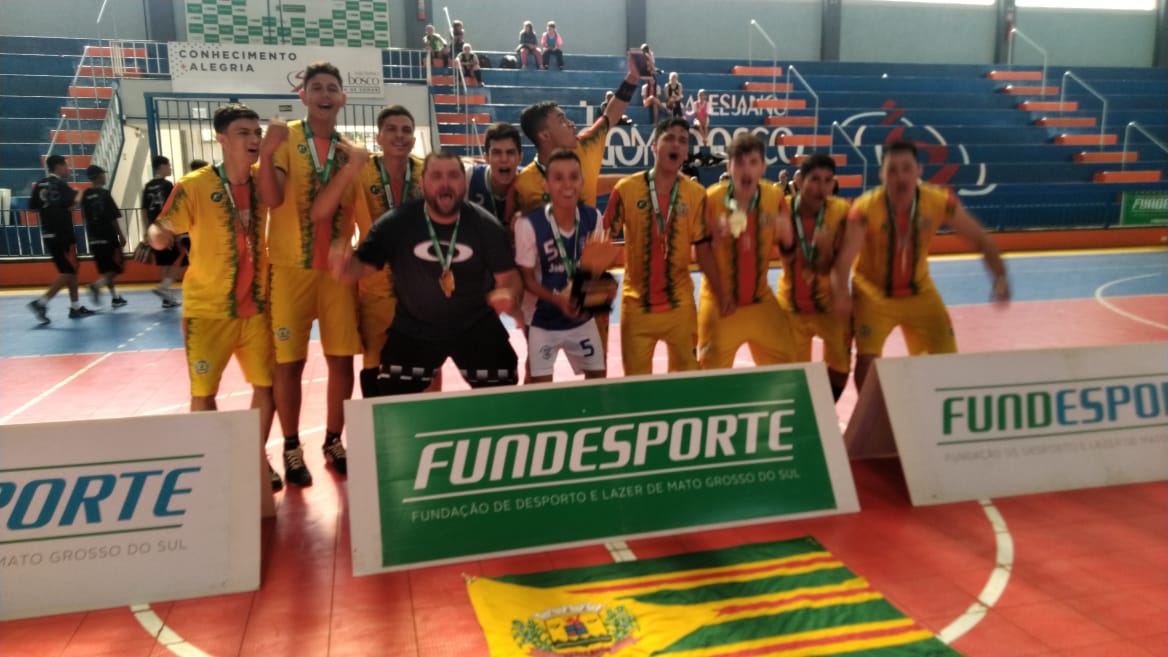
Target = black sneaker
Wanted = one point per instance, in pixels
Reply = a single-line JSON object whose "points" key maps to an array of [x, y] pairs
{"points": [[80, 311], [40, 310], [95, 293], [295, 472], [335, 455], [277, 482], [170, 303], [118, 302]]}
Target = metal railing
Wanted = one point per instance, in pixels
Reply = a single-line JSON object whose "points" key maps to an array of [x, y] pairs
{"points": [[110, 139], [461, 91], [1042, 51], [1127, 138], [836, 127], [20, 233], [792, 71], [406, 65], [1091, 90], [774, 50]]}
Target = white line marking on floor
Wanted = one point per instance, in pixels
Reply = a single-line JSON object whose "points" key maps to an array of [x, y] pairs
{"points": [[60, 384], [1120, 311], [163, 634], [994, 587]]}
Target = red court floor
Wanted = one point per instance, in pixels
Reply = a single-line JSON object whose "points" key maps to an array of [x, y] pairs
{"points": [[1080, 573]]}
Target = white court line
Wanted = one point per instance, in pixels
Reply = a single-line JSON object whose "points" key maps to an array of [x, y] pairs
{"points": [[1120, 311], [60, 384], [163, 634], [994, 586]]}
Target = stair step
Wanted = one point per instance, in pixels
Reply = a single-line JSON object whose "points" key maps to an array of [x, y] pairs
{"points": [[854, 181], [841, 159], [75, 136], [778, 103], [482, 118], [1106, 156], [1014, 75], [806, 121], [459, 139], [442, 80], [1127, 176], [91, 92], [804, 140], [451, 99], [757, 70], [106, 51], [1086, 140], [774, 87], [1048, 106], [1066, 122], [74, 161], [1023, 90], [96, 113]]}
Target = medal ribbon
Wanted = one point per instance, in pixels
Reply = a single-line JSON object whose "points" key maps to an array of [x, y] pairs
{"points": [[388, 189], [570, 264], [663, 221], [903, 240], [808, 246], [244, 229], [444, 259], [322, 172]]}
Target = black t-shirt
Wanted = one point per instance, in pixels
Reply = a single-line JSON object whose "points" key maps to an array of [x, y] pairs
{"points": [[101, 215], [54, 198], [401, 240], [154, 197]]}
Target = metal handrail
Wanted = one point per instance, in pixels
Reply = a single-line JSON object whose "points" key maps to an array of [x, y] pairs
{"points": [[1033, 44], [1091, 90], [835, 126], [791, 70], [1127, 134], [461, 98], [774, 50]]}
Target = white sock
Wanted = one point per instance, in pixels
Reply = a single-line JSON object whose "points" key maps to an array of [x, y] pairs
{"points": [[74, 304], [166, 283]]}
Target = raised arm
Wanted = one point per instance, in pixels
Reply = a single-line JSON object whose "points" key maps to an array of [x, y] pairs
{"points": [[270, 181], [328, 199], [624, 93]]}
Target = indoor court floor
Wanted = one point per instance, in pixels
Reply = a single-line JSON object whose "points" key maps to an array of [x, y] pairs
{"points": [[1073, 573]]}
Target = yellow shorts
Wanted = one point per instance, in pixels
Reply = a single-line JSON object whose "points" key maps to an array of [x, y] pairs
{"points": [[302, 295], [376, 304], [640, 332], [761, 326], [836, 336], [210, 343], [922, 318]]}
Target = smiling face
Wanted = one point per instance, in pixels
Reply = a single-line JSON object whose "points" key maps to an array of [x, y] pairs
{"points": [[396, 137], [564, 182], [241, 141], [671, 149], [323, 96], [443, 186]]}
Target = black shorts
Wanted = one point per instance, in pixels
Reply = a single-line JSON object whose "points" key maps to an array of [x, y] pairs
{"points": [[166, 257], [108, 258], [483, 354], [64, 256]]}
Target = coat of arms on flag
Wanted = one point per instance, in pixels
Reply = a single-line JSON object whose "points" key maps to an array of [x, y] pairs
{"points": [[789, 598]]}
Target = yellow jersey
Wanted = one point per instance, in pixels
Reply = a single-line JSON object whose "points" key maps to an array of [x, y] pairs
{"points": [[589, 148], [798, 292], [374, 201], [743, 263]]}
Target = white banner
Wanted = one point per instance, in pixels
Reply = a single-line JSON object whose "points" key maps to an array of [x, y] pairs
{"points": [[105, 513], [226, 68], [972, 426]]}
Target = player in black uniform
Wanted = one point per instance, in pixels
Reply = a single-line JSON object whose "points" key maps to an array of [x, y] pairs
{"points": [[107, 242], [154, 197], [54, 199]]}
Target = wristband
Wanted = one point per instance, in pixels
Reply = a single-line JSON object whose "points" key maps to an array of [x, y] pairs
{"points": [[625, 91]]}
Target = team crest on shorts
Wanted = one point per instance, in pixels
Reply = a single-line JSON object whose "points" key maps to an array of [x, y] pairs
{"points": [[283, 333], [202, 367], [216, 196], [579, 629], [301, 148]]}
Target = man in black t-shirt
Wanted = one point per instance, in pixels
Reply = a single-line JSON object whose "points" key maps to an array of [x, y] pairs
{"points": [[170, 261], [54, 199], [106, 240], [453, 273]]}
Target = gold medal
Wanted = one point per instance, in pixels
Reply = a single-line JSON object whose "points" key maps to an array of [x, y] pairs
{"points": [[446, 282], [737, 223]]}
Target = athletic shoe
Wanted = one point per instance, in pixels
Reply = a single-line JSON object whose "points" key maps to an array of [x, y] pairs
{"points": [[335, 455], [295, 472], [277, 482], [79, 312], [161, 292], [95, 293], [118, 302], [170, 303], [40, 310]]}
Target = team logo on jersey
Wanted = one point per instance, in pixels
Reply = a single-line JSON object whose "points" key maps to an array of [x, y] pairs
{"points": [[375, 190], [216, 196], [202, 367], [301, 148], [864, 331], [682, 208], [283, 333], [642, 204]]}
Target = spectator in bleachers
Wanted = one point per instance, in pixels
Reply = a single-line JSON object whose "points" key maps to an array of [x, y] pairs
{"points": [[553, 46], [698, 111], [674, 95], [650, 98], [55, 199], [608, 96], [469, 62], [457, 39], [106, 240], [529, 44], [435, 47]]}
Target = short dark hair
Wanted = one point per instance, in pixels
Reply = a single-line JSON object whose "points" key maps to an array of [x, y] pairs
{"points": [[394, 110], [195, 165], [93, 171], [668, 124], [159, 161], [317, 68], [225, 115], [501, 131], [562, 154], [900, 146], [53, 161], [440, 155], [534, 117], [817, 161], [744, 143]]}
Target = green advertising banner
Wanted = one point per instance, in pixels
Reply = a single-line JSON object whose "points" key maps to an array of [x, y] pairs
{"points": [[256, 22], [455, 476], [1144, 209]]}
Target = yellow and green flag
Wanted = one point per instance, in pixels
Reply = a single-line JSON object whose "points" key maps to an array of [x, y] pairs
{"points": [[784, 599]]}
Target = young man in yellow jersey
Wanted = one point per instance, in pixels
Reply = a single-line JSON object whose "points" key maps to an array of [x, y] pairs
{"points": [[662, 215], [889, 228], [747, 217], [814, 302], [225, 309], [296, 160], [381, 182]]}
